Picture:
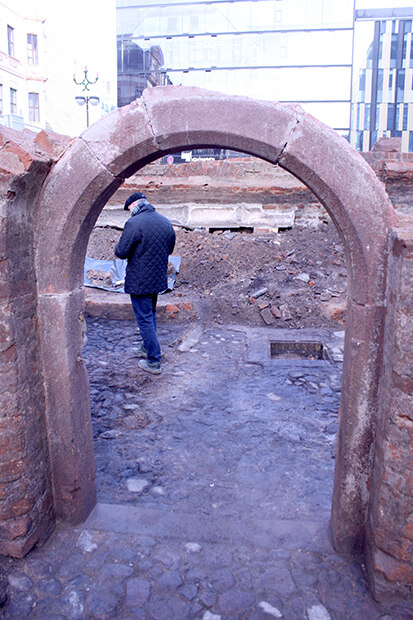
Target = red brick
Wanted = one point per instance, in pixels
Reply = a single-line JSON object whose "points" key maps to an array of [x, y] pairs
{"points": [[12, 442], [408, 530], [276, 312], [15, 528], [13, 509], [12, 470], [186, 305], [393, 570]]}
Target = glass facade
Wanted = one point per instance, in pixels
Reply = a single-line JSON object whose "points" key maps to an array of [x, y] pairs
{"points": [[282, 50], [383, 78]]}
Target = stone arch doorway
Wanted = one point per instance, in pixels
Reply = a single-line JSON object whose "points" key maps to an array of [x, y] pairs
{"points": [[175, 118]]}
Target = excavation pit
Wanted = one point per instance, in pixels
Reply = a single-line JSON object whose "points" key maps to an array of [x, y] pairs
{"points": [[298, 349]]}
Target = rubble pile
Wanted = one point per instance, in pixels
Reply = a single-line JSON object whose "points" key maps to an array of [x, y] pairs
{"points": [[98, 277], [294, 278]]}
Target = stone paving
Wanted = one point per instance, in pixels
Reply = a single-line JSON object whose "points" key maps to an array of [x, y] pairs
{"points": [[214, 488]]}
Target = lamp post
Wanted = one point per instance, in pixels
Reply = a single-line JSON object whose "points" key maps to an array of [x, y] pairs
{"points": [[82, 100]]}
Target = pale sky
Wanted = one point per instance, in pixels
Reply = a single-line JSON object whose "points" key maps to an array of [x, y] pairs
{"points": [[383, 4], [80, 20]]}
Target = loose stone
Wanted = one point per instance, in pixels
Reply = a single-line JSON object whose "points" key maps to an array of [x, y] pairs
{"points": [[170, 580], [85, 542], [210, 616], [136, 485], [189, 591], [22, 583], [269, 609], [318, 612], [234, 600], [137, 592], [101, 602]]}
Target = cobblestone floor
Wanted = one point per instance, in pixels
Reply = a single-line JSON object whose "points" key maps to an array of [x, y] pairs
{"points": [[214, 489]]}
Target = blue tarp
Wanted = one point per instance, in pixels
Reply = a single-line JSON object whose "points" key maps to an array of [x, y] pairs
{"points": [[110, 274]]}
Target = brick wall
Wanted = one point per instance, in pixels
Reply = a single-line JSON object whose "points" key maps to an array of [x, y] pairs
{"points": [[251, 180], [26, 506], [390, 531]]}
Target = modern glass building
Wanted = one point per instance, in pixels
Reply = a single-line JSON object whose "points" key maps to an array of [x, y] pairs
{"points": [[382, 100], [283, 50], [351, 68]]}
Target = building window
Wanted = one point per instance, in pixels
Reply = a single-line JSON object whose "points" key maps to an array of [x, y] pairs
{"points": [[398, 115], [400, 84], [13, 101], [362, 85], [358, 125], [10, 40], [32, 55], [379, 86], [367, 116], [1, 98], [405, 116], [34, 112], [377, 117], [390, 117], [393, 51]]}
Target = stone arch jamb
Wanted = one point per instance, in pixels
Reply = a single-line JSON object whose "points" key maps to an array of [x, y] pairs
{"points": [[173, 118]]}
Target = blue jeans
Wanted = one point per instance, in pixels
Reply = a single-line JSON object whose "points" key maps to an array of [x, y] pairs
{"points": [[144, 307]]}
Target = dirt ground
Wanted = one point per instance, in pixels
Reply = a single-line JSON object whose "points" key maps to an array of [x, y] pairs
{"points": [[294, 278]]}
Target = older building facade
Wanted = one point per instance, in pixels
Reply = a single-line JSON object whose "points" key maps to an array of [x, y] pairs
{"points": [[22, 67], [43, 46]]}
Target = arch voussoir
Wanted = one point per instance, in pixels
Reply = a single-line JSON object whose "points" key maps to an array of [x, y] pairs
{"points": [[357, 202], [123, 141], [71, 199], [183, 117]]}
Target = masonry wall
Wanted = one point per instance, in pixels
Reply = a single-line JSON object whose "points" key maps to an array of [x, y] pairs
{"points": [[25, 490], [252, 181], [26, 503], [390, 532]]}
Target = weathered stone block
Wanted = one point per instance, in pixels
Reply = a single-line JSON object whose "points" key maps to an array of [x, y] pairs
{"points": [[310, 154], [123, 140], [67, 390], [188, 116], [60, 261]]}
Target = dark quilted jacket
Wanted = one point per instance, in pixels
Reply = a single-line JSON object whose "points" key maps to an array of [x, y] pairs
{"points": [[147, 240]]}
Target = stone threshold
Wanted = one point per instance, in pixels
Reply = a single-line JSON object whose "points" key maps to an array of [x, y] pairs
{"points": [[210, 528]]}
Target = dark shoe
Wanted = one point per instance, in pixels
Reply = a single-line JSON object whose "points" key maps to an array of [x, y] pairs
{"points": [[152, 367], [140, 351]]}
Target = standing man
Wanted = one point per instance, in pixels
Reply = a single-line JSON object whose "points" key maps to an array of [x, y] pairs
{"points": [[147, 241]]}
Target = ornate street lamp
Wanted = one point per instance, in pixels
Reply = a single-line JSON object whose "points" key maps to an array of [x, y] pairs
{"points": [[82, 100]]}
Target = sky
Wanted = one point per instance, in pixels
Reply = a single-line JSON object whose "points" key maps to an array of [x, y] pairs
{"points": [[88, 47], [383, 4]]}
